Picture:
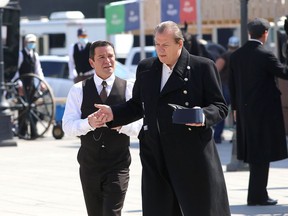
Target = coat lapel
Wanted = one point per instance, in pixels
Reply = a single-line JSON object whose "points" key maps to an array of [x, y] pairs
{"points": [[176, 80]]}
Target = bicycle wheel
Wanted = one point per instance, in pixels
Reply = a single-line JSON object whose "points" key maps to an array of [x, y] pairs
{"points": [[35, 106]]}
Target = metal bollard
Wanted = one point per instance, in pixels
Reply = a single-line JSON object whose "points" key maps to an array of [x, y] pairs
{"points": [[6, 134]]}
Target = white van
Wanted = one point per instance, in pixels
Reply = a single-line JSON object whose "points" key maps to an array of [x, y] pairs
{"points": [[59, 32], [134, 56]]}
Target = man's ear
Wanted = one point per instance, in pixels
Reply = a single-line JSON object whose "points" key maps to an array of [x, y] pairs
{"points": [[181, 43], [91, 62]]}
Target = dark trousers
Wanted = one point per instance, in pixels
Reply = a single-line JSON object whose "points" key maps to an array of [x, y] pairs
{"points": [[104, 193], [258, 180]]}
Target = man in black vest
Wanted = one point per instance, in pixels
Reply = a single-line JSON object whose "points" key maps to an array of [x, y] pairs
{"points": [[104, 155], [79, 67], [28, 62]]}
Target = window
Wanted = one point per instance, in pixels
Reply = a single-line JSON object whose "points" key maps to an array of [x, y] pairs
{"points": [[55, 69], [136, 58], [57, 40]]}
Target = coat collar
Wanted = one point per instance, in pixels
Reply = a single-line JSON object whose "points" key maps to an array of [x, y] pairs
{"points": [[176, 80]]}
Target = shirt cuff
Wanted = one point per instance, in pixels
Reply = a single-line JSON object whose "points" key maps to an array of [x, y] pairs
{"points": [[90, 128]]}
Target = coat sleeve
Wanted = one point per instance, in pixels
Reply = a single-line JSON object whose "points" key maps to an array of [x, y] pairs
{"points": [[215, 108], [131, 110]]}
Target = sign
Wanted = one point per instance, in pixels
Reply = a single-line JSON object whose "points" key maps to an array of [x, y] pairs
{"points": [[132, 16], [170, 10], [115, 18], [122, 16], [188, 11], [178, 11]]}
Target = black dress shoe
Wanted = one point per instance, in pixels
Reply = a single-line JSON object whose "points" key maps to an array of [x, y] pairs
{"points": [[269, 201]]}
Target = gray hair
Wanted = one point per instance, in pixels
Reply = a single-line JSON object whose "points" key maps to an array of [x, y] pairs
{"points": [[170, 26]]}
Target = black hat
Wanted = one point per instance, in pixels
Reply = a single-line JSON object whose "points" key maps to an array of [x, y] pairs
{"points": [[81, 32], [257, 27]]}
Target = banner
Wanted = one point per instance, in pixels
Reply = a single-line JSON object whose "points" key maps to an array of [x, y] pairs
{"points": [[122, 16], [170, 10], [132, 16], [188, 11], [178, 11], [115, 18]]}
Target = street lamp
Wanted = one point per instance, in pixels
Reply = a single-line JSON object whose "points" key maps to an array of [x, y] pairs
{"points": [[6, 135]]}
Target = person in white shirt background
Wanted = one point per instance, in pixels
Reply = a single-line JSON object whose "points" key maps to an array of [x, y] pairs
{"points": [[28, 62], [79, 67], [104, 155]]}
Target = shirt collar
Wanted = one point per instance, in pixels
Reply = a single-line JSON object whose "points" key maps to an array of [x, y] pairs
{"points": [[109, 80], [166, 68], [256, 40], [28, 51]]}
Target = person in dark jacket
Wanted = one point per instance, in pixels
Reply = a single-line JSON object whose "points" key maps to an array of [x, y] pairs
{"points": [[256, 100], [223, 67], [181, 170], [79, 66], [104, 155]]}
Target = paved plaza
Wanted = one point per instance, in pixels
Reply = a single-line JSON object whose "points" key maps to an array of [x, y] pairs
{"points": [[40, 178]]}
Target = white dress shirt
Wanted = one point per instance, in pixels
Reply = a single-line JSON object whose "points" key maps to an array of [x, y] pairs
{"points": [[72, 123], [166, 73]]}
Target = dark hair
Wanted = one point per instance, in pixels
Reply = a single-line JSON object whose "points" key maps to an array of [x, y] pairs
{"points": [[257, 27], [173, 27], [81, 31], [99, 43]]}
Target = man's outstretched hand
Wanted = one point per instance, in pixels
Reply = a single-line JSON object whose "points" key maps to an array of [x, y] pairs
{"points": [[103, 115]]}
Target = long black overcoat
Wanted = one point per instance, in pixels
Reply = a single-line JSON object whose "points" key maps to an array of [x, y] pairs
{"points": [[257, 101], [178, 160]]}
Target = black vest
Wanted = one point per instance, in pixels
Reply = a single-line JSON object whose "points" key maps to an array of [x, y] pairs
{"points": [[28, 64], [109, 148], [81, 58]]}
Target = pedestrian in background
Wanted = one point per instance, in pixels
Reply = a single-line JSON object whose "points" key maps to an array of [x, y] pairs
{"points": [[223, 67], [28, 63], [104, 155], [256, 100], [79, 66], [28, 60], [181, 170]]}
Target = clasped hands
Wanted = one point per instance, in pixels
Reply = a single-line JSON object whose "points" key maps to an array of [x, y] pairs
{"points": [[100, 117]]}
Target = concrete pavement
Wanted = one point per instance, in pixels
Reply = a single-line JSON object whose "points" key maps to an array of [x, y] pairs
{"points": [[40, 178]]}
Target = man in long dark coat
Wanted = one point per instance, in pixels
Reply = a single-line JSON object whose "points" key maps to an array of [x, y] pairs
{"points": [[182, 173], [256, 99]]}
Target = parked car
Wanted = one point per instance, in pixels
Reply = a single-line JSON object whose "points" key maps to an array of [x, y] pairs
{"points": [[56, 72], [134, 57]]}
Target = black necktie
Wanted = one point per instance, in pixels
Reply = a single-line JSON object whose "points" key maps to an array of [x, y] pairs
{"points": [[103, 93]]}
